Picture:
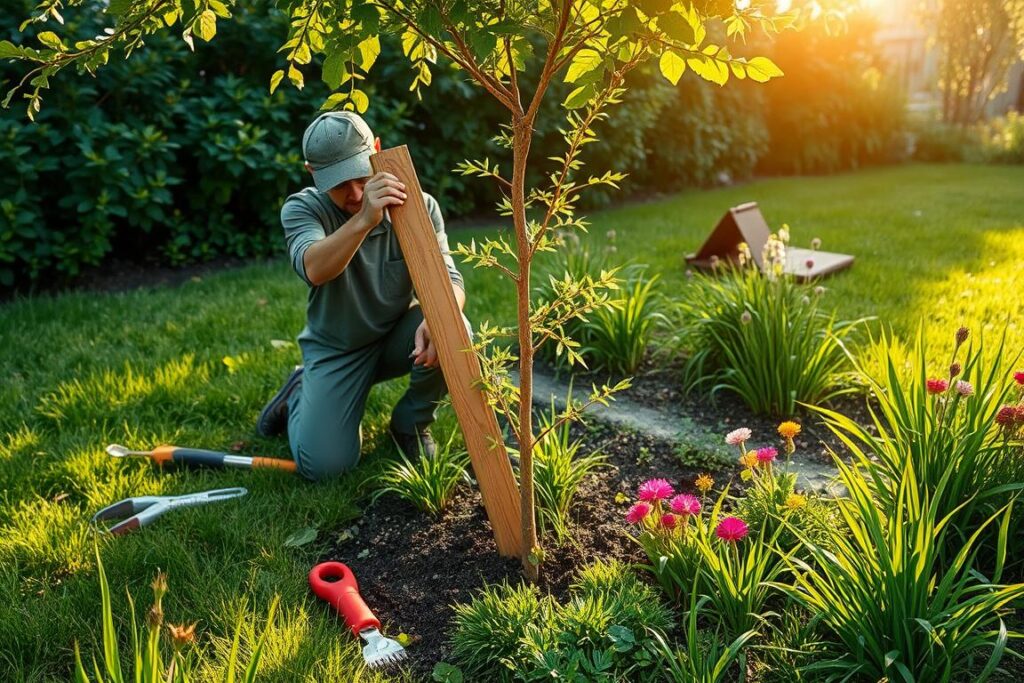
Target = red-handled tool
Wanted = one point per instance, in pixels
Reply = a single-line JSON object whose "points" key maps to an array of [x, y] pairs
{"points": [[335, 583], [196, 457]]}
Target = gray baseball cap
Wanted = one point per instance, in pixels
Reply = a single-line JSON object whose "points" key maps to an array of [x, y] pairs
{"points": [[337, 146]]}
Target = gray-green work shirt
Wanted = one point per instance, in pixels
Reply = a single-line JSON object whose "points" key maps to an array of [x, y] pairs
{"points": [[365, 301]]}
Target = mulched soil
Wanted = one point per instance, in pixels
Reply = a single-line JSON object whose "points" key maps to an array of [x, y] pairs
{"points": [[412, 568]]}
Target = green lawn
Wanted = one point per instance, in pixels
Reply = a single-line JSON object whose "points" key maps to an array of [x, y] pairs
{"points": [[940, 243]]}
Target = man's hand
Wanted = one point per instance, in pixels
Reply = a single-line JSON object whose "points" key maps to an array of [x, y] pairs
{"points": [[424, 352], [381, 191]]}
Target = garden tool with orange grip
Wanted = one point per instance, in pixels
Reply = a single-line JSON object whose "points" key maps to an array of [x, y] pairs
{"points": [[195, 457], [143, 510], [335, 583]]}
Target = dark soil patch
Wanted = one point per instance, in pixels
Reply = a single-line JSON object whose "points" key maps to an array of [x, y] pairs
{"points": [[412, 568]]}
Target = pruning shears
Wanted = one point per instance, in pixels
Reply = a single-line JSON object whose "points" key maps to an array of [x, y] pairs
{"points": [[143, 510]]}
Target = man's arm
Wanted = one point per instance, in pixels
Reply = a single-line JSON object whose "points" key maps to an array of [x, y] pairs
{"points": [[325, 259]]}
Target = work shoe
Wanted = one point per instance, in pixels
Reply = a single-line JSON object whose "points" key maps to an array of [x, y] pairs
{"points": [[412, 445], [274, 418]]}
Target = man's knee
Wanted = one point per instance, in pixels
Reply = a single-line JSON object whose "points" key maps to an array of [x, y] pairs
{"points": [[320, 459], [320, 465]]}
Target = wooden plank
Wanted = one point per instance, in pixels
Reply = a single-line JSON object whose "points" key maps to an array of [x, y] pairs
{"points": [[459, 364]]}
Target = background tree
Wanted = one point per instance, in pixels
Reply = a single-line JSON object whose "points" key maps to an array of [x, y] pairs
{"points": [[515, 51], [978, 40]]}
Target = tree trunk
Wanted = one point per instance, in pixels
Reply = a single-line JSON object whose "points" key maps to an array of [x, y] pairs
{"points": [[522, 133]]}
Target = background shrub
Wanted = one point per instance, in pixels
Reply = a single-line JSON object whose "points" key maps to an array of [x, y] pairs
{"points": [[186, 157]]}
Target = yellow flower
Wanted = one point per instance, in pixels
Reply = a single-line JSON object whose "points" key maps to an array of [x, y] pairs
{"points": [[749, 459], [788, 429], [795, 501], [182, 635], [704, 482]]}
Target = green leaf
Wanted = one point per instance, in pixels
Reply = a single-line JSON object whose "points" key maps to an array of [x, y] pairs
{"points": [[334, 72], [762, 69], [625, 23], [446, 673], [579, 97], [207, 25], [430, 21], [118, 7], [672, 66], [368, 15], [51, 40], [369, 49], [654, 7], [275, 80], [9, 49], [677, 28], [360, 100], [301, 537], [482, 44], [332, 102], [295, 76], [585, 61]]}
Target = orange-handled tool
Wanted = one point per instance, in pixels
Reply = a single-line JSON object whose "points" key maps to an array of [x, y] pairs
{"points": [[195, 457]]}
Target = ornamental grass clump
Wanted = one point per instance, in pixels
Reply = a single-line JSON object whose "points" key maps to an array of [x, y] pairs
{"points": [[559, 469], [617, 335], [427, 483], [763, 336], [889, 606], [957, 420]]}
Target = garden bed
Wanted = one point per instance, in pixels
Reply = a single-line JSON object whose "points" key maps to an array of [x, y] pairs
{"points": [[411, 568]]}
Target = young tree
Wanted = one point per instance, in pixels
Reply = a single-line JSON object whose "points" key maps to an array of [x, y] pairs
{"points": [[515, 49]]}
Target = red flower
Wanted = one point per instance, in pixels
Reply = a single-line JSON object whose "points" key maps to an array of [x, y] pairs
{"points": [[732, 529], [767, 454], [937, 386], [1009, 417], [668, 520], [638, 513], [1019, 377], [685, 504]]}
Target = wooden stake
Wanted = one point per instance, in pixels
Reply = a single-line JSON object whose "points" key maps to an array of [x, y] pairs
{"points": [[459, 364]]}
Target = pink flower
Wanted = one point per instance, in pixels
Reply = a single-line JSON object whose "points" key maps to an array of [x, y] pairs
{"points": [[767, 454], [1019, 377], [936, 386], [668, 520], [638, 513], [685, 504], [964, 388], [732, 529], [737, 436], [655, 489]]}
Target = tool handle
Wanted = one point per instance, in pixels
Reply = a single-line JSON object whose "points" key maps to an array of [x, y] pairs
{"points": [[336, 584], [274, 463], [187, 456]]}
